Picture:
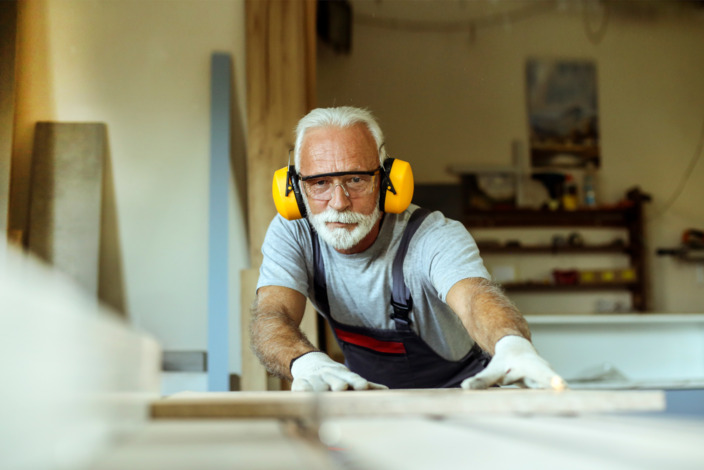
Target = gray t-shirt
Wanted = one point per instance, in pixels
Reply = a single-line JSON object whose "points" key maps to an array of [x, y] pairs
{"points": [[441, 253]]}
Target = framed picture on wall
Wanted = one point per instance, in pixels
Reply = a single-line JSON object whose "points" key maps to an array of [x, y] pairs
{"points": [[562, 113]]}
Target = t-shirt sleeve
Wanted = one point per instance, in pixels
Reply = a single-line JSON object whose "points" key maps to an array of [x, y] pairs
{"points": [[449, 254], [284, 256]]}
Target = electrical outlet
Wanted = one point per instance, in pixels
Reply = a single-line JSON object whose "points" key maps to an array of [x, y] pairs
{"points": [[700, 274]]}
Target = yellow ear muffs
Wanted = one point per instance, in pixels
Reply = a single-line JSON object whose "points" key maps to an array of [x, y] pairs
{"points": [[287, 195], [396, 190]]}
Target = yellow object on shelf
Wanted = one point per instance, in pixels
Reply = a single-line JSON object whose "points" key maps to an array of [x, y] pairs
{"points": [[591, 276]]}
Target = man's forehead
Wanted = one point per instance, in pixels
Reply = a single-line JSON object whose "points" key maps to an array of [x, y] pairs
{"points": [[355, 141], [356, 132]]}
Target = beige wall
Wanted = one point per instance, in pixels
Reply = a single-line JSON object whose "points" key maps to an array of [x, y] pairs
{"points": [[450, 97], [143, 68]]}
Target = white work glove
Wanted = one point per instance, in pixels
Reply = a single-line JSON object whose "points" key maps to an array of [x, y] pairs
{"points": [[516, 361], [315, 371]]}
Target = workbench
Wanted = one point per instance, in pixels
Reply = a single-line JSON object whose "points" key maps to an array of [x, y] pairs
{"points": [[83, 394], [412, 429]]}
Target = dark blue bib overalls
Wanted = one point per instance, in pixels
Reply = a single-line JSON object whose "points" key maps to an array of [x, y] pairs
{"points": [[397, 358]]}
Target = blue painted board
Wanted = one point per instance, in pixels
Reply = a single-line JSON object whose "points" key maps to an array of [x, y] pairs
{"points": [[218, 309]]}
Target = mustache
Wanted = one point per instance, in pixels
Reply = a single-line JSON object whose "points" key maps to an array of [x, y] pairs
{"points": [[346, 217]]}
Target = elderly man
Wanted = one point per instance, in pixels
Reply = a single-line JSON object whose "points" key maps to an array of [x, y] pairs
{"points": [[406, 294]]}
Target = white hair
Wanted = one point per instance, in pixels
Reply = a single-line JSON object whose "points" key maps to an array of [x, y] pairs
{"points": [[344, 116]]}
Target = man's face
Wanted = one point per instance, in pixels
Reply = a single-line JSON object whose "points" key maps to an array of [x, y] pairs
{"points": [[349, 224]]}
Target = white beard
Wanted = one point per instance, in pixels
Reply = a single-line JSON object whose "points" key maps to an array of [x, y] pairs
{"points": [[341, 238]]}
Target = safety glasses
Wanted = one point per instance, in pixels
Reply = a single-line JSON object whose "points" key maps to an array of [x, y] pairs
{"points": [[355, 184]]}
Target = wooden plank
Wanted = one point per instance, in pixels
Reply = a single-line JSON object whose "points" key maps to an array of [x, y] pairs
{"points": [[280, 90], [8, 34], [435, 402], [497, 442], [66, 196], [280, 70], [253, 373]]}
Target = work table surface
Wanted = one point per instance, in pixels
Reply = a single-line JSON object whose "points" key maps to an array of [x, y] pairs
{"points": [[412, 429]]}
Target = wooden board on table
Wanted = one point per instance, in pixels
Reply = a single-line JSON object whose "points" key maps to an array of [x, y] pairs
{"points": [[435, 402]]}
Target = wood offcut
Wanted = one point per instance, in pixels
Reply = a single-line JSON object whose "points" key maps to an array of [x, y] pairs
{"points": [[435, 402]]}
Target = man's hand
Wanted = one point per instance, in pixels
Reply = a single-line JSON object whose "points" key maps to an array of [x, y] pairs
{"points": [[516, 362], [315, 371]]}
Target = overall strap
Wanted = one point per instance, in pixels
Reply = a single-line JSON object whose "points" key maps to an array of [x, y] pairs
{"points": [[320, 289], [320, 286], [401, 300]]}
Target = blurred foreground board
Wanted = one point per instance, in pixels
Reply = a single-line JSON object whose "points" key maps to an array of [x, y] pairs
{"points": [[436, 402], [76, 376]]}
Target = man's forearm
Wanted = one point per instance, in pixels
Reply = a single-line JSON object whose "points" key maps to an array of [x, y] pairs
{"points": [[276, 340], [494, 316], [486, 313]]}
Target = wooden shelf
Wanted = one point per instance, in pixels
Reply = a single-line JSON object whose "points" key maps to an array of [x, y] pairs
{"points": [[588, 151], [627, 216], [547, 287], [549, 249], [611, 217]]}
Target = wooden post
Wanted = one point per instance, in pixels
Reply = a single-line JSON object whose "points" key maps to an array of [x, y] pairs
{"points": [[280, 90], [8, 33], [254, 377]]}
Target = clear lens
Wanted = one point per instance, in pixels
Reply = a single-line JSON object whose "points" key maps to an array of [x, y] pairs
{"points": [[353, 185]]}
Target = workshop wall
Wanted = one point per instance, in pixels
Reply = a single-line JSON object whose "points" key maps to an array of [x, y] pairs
{"points": [[449, 97], [142, 68]]}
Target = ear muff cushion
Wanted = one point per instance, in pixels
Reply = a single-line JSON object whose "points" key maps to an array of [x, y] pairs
{"points": [[288, 206], [401, 176]]}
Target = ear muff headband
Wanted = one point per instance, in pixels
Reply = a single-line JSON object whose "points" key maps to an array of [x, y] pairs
{"points": [[287, 194], [396, 190]]}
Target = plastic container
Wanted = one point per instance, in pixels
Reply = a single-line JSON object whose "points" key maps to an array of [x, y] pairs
{"points": [[589, 186]]}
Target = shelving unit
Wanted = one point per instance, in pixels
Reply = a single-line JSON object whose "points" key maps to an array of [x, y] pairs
{"points": [[627, 215]]}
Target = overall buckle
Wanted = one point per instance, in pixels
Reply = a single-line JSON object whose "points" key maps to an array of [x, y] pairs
{"points": [[401, 312]]}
